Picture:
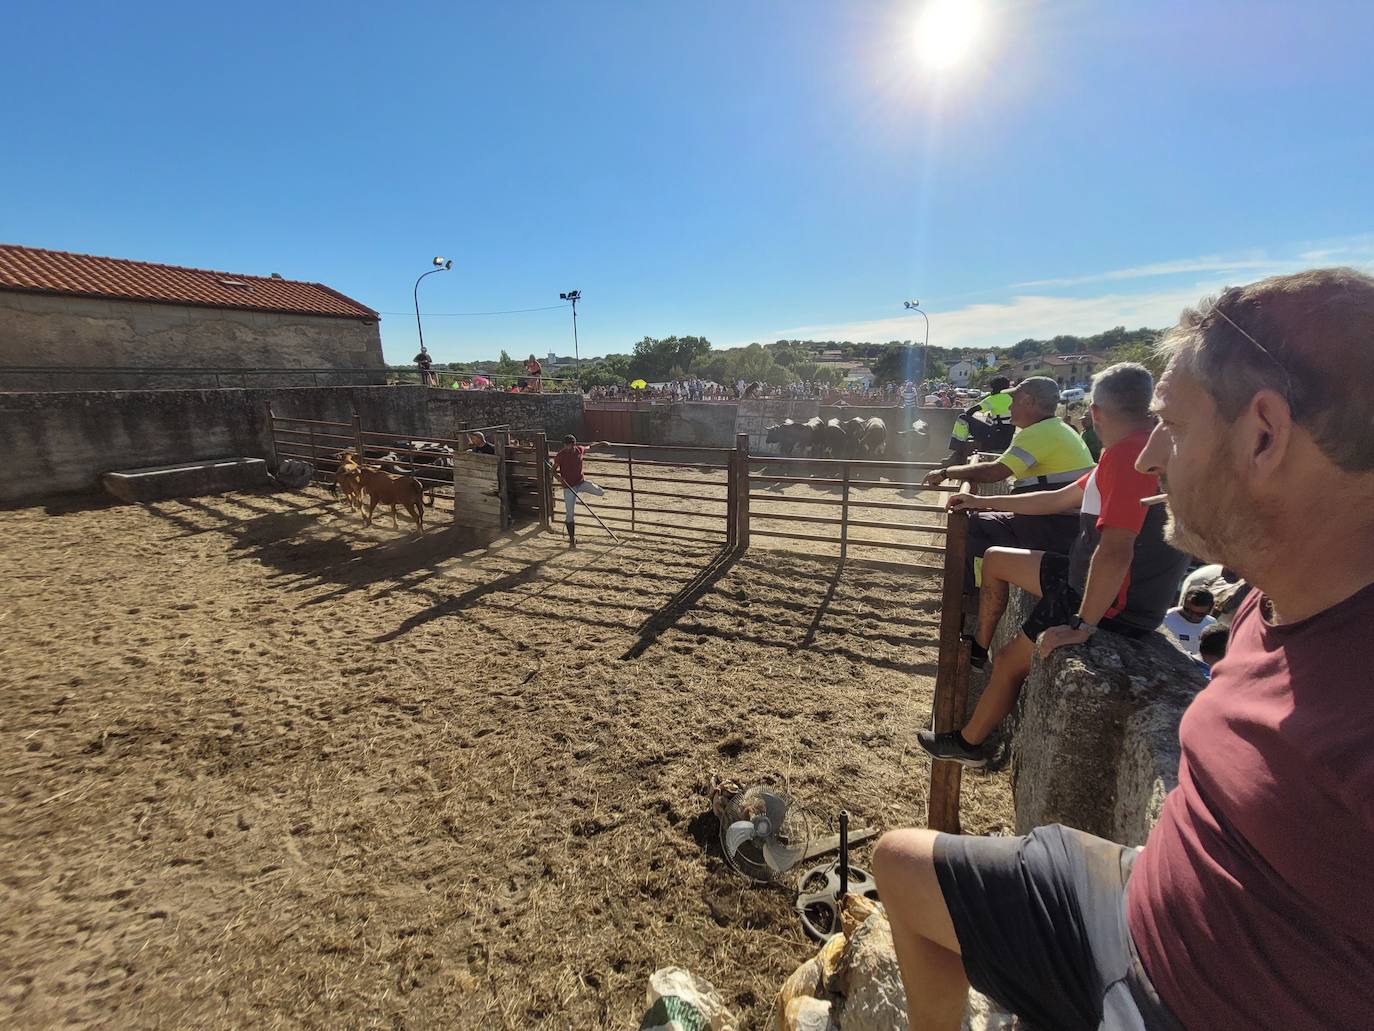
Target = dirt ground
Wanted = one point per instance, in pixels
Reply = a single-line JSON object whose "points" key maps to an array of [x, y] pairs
{"points": [[264, 767]]}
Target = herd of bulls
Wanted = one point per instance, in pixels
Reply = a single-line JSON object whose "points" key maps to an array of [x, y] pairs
{"points": [[854, 438]]}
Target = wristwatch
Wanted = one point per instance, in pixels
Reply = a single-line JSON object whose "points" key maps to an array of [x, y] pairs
{"points": [[1079, 623]]}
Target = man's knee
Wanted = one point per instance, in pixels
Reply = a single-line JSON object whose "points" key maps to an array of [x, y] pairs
{"points": [[904, 865]]}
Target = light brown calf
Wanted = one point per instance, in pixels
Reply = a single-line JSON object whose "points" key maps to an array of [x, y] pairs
{"points": [[348, 478], [387, 489]]}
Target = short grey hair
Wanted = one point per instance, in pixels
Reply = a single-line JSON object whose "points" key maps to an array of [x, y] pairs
{"points": [[1043, 392], [1124, 389], [1308, 337]]}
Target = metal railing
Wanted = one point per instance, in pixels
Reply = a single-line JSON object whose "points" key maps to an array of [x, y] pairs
{"points": [[60, 377]]}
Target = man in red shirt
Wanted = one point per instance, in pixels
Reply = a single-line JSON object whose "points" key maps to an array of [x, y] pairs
{"points": [[567, 468], [1119, 575], [1251, 905]]}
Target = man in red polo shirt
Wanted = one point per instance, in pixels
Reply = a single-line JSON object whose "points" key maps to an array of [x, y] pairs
{"points": [[1252, 903]]}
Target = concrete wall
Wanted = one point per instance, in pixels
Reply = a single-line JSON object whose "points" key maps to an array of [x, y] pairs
{"points": [[60, 443], [1095, 733], [51, 330]]}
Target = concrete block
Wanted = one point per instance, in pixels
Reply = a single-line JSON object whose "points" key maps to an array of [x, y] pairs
{"points": [[187, 479]]}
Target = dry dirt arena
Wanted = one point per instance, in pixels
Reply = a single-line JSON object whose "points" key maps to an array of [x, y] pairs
{"points": [[263, 767]]}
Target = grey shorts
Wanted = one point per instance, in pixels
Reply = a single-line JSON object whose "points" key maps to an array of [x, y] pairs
{"points": [[1041, 921]]}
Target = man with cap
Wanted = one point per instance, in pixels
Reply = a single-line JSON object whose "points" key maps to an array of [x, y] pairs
{"points": [[1045, 454]]}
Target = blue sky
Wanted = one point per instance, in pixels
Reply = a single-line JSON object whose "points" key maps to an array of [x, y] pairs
{"points": [[741, 170]]}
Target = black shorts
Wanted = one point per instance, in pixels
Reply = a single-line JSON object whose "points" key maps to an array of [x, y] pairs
{"points": [[1041, 922], [1053, 533], [1060, 600]]}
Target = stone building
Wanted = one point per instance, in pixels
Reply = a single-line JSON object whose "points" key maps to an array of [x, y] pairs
{"points": [[85, 322], [1068, 370]]}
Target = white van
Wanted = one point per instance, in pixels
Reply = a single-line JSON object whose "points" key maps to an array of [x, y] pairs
{"points": [[1071, 395]]}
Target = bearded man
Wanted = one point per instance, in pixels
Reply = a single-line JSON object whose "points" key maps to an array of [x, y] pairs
{"points": [[1250, 905]]}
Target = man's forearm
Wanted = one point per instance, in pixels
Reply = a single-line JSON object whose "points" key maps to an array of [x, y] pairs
{"points": [[1106, 573], [980, 472], [1042, 502]]}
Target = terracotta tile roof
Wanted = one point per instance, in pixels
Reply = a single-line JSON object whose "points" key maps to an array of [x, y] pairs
{"points": [[85, 275]]}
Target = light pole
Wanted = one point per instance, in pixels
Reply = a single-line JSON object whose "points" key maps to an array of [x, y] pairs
{"points": [[573, 296], [441, 265], [925, 348]]}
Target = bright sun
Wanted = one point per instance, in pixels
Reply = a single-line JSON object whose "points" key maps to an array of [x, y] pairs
{"points": [[947, 31]]}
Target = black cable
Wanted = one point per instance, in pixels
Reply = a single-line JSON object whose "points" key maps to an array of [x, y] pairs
{"points": [[512, 311]]}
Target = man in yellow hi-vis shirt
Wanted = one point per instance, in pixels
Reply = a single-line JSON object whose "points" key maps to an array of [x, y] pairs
{"points": [[1045, 453], [991, 433]]}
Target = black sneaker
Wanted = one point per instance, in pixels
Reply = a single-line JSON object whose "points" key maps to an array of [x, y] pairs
{"points": [[950, 746]]}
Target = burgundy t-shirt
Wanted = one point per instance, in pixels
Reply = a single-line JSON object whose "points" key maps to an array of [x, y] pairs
{"points": [[1253, 903], [568, 462]]}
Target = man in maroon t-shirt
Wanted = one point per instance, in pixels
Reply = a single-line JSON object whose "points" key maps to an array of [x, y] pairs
{"points": [[567, 470], [1251, 904]]}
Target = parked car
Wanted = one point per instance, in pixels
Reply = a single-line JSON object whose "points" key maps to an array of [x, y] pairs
{"points": [[1072, 394]]}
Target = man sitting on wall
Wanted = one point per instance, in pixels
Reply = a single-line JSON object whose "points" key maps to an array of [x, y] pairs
{"points": [[1044, 453], [1119, 574], [1250, 904], [991, 433]]}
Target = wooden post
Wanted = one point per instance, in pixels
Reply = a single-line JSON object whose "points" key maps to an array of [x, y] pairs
{"points": [[951, 677], [503, 478], [272, 432], [630, 461], [541, 479], [844, 514], [742, 491], [358, 436], [731, 500]]}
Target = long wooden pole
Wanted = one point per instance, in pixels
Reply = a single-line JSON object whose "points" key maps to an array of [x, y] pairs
{"points": [[951, 677], [541, 478], [742, 491], [630, 464]]}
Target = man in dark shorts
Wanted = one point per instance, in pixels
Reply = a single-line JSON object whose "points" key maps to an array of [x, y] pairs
{"points": [[1119, 574], [1250, 906]]}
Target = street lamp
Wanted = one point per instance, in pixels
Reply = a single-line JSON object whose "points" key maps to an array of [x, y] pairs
{"points": [[925, 349], [574, 296], [440, 265]]}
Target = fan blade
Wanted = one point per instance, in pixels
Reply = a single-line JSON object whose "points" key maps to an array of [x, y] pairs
{"points": [[776, 807], [737, 834], [781, 858]]}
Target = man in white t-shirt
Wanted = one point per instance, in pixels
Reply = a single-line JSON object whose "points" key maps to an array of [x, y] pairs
{"points": [[1189, 620]]}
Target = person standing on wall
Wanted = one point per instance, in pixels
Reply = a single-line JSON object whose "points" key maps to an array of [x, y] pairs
{"points": [[425, 364], [567, 466], [534, 371]]}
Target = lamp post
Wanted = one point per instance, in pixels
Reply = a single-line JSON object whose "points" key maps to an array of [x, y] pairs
{"points": [[440, 265], [573, 296], [925, 348]]}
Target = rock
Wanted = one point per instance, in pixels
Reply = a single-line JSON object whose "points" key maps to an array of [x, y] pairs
{"points": [[875, 999], [808, 1014]]}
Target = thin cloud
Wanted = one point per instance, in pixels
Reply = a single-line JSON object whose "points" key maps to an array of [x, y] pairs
{"points": [[978, 326], [1186, 266]]}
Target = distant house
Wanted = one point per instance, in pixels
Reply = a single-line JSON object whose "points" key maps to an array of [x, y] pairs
{"points": [[962, 371], [113, 318], [1066, 369]]}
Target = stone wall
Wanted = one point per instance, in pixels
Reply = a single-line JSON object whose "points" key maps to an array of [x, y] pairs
{"points": [[1095, 732], [451, 411], [60, 443], [51, 330]]}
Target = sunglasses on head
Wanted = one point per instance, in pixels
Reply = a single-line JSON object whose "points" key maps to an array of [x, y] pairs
{"points": [[1287, 379]]}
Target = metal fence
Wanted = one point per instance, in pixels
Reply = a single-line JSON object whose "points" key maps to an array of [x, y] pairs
{"points": [[92, 377], [717, 495]]}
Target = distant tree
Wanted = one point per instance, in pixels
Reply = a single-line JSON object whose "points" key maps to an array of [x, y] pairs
{"points": [[654, 359], [614, 370]]}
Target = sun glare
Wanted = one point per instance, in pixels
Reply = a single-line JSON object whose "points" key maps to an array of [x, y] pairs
{"points": [[946, 31]]}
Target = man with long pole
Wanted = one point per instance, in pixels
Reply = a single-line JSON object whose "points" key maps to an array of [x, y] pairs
{"points": [[567, 466]]}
